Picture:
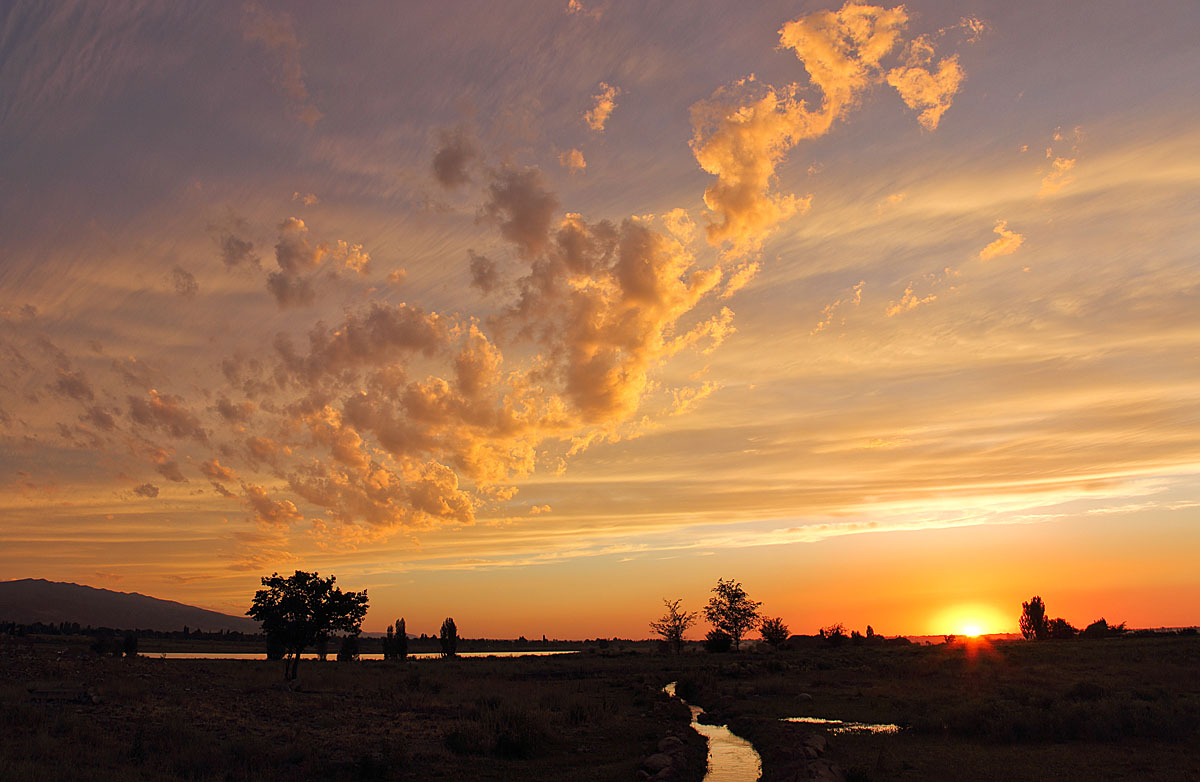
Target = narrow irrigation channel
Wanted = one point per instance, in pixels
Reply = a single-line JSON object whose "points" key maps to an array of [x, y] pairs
{"points": [[730, 758]]}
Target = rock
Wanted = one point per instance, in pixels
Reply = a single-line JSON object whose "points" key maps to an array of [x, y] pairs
{"points": [[657, 762], [804, 697], [826, 771], [671, 745], [816, 742]]}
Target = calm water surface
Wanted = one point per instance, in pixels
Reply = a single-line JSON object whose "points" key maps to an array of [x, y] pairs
{"points": [[838, 726], [730, 757], [333, 655]]}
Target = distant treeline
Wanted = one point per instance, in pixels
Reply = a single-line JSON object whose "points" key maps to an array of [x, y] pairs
{"points": [[74, 628]]}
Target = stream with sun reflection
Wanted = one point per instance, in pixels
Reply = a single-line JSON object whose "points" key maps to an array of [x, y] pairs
{"points": [[730, 757]]}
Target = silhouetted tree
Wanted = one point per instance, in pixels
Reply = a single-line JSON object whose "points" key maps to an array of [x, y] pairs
{"points": [[401, 647], [717, 641], [835, 633], [731, 611], [276, 647], [349, 649], [1033, 620], [774, 631], [448, 638], [674, 624], [870, 631], [1060, 628], [1101, 629], [130, 646], [304, 608], [389, 644]]}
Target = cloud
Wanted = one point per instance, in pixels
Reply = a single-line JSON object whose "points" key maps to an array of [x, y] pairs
{"points": [[276, 32], [269, 511], [308, 199], [166, 413], [170, 470], [148, 490], [184, 283], [290, 291], [572, 160], [214, 470], [603, 104], [910, 300], [235, 250], [239, 412], [523, 207], [294, 253], [485, 275], [1058, 177], [74, 385], [1007, 244], [299, 258], [100, 418], [852, 298], [925, 88], [456, 151], [742, 132]]}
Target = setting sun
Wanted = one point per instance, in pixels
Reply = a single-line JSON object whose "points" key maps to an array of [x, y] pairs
{"points": [[972, 630]]}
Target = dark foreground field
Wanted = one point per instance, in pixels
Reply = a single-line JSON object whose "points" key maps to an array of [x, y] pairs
{"points": [[1120, 708]]}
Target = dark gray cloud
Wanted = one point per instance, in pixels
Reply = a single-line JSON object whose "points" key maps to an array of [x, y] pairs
{"points": [[456, 151]]}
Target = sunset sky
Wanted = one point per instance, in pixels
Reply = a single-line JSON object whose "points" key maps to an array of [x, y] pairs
{"points": [[533, 317]]}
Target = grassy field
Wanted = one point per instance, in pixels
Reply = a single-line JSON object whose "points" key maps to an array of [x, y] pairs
{"points": [[1119, 709]]}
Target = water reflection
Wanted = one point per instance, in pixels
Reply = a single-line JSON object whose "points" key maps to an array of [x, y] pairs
{"points": [[839, 726], [730, 757], [313, 655]]}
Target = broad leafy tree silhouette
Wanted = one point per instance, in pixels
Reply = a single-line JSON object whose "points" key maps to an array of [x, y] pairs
{"points": [[731, 611], [304, 608]]}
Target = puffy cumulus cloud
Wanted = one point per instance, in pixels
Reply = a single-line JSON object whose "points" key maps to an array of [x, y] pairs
{"points": [[1007, 244], [236, 249], [740, 135], [267, 510], [168, 414], [275, 31], [922, 86], [743, 132], [299, 258], [605, 303], [485, 274], [604, 102], [572, 160], [455, 153], [382, 334], [842, 52], [523, 207], [308, 199], [170, 470], [148, 490], [214, 470], [351, 257], [294, 253], [184, 282]]}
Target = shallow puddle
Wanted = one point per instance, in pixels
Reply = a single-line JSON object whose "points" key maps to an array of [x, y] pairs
{"points": [[730, 757]]}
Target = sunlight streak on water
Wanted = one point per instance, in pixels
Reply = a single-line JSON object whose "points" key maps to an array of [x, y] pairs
{"points": [[333, 655], [838, 726], [730, 757]]}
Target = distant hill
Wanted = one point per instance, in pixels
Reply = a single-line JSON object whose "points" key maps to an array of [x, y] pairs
{"points": [[31, 600]]}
